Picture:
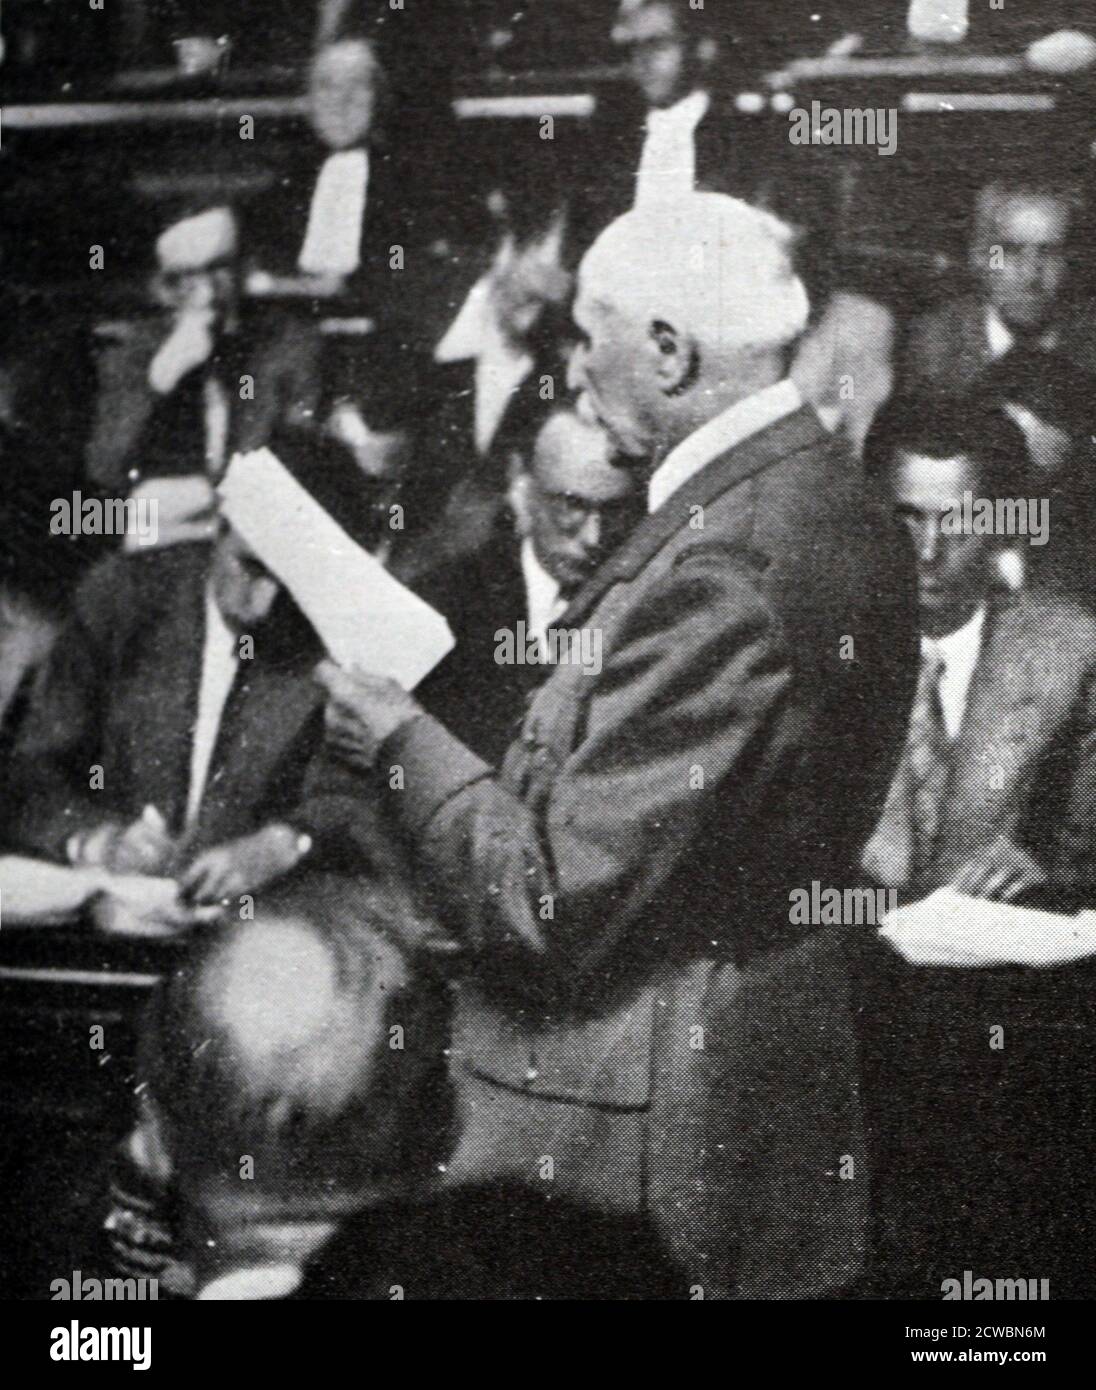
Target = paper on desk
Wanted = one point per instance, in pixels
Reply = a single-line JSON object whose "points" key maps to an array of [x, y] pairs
{"points": [[36, 891], [951, 929], [364, 617]]}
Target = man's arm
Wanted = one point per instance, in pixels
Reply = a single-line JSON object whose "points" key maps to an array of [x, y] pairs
{"points": [[1075, 842], [50, 775], [553, 870]]}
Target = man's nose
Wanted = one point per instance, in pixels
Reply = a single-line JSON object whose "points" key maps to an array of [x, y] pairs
{"points": [[928, 544], [589, 534]]}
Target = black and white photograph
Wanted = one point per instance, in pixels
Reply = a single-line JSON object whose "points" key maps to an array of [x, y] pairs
{"points": [[548, 663]]}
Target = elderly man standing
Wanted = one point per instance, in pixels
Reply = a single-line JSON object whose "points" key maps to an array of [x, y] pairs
{"points": [[643, 1028]]}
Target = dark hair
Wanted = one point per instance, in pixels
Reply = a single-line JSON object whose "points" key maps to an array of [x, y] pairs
{"points": [[950, 426]]}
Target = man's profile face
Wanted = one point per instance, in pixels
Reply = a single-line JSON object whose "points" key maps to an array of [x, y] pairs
{"points": [[953, 570], [242, 586], [1033, 233], [609, 370], [657, 57], [342, 96], [576, 507]]}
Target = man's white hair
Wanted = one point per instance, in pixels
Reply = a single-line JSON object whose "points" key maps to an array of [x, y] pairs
{"points": [[709, 265]]}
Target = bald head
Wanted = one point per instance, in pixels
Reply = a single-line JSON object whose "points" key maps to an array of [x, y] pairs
{"points": [[342, 92], [683, 309]]}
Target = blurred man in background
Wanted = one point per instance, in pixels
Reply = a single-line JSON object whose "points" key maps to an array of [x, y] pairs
{"points": [[1023, 258]]}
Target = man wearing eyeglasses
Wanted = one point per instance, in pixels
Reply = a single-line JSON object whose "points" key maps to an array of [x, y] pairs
{"points": [[568, 509]]}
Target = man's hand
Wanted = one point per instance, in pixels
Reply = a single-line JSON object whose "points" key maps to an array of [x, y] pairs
{"points": [[242, 866], [362, 711], [145, 847], [1001, 871]]}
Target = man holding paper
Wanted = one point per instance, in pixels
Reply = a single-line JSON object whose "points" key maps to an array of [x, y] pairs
{"points": [[640, 1022]]}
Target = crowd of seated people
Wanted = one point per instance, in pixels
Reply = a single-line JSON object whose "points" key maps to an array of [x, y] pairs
{"points": [[160, 713]]}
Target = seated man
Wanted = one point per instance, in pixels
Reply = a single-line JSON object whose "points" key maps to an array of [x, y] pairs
{"points": [[498, 368], [330, 222], [298, 1116], [996, 790], [172, 729], [1022, 256], [571, 505], [169, 397], [322, 1059]]}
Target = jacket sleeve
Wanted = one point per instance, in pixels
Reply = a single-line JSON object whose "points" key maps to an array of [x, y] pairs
{"points": [[1075, 848], [58, 744], [552, 860]]}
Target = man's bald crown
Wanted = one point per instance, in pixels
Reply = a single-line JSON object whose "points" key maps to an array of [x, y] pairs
{"points": [[708, 265]]}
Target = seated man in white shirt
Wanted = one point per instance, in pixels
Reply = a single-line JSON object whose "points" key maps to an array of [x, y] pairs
{"points": [[568, 509], [996, 790], [1023, 255], [667, 134], [172, 730], [324, 228]]}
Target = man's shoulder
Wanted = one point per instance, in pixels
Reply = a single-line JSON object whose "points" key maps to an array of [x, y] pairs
{"points": [[947, 317], [476, 584], [126, 587], [1036, 621]]}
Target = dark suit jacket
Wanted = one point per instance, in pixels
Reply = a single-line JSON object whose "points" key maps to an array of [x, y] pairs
{"points": [[460, 492], [1024, 761], [276, 224], [625, 878], [472, 694], [120, 691], [947, 348], [136, 430]]}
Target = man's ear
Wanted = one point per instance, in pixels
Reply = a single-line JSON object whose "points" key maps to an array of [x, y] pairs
{"points": [[675, 359]]}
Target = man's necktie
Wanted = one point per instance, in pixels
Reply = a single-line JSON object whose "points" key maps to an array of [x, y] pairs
{"points": [[927, 749], [899, 854]]}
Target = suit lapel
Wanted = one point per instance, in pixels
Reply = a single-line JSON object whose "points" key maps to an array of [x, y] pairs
{"points": [[994, 747], [265, 713], [778, 441], [974, 349], [164, 732]]}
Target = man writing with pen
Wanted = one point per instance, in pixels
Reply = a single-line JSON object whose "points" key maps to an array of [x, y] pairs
{"points": [[171, 733]]}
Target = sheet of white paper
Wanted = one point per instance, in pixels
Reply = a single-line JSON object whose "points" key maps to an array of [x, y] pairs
{"points": [[950, 928], [34, 890], [364, 617]]}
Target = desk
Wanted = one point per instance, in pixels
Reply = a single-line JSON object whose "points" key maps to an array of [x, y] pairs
{"points": [[981, 1140]]}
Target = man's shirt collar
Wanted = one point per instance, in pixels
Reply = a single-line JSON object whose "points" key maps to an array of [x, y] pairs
{"points": [[543, 600], [726, 430], [1001, 338]]}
